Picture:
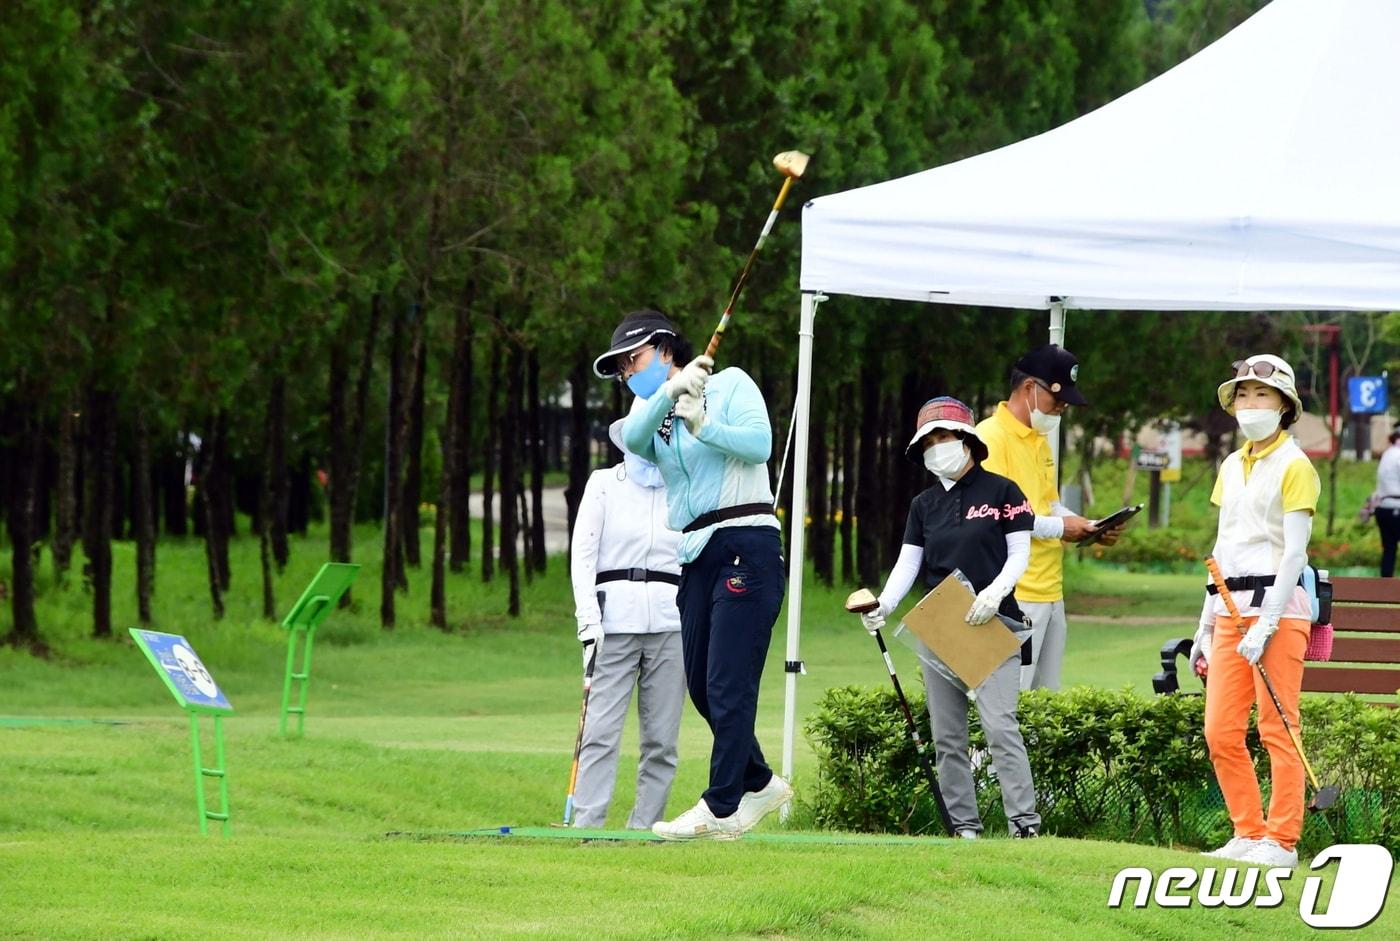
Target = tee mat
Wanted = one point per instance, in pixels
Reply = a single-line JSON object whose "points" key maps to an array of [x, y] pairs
{"points": [[646, 836]]}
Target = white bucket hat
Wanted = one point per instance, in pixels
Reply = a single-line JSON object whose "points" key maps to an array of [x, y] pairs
{"points": [[945, 412], [1261, 367]]}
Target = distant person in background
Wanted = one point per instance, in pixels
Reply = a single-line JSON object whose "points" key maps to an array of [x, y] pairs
{"points": [[1385, 503], [625, 574]]}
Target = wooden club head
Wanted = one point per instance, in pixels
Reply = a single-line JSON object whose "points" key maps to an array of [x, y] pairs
{"points": [[862, 601], [792, 163]]}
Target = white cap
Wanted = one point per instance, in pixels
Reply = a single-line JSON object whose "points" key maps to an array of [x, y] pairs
{"points": [[1279, 375]]}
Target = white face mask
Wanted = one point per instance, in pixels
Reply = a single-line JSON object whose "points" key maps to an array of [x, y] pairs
{"points": [[946, 459], [1044, 423], [1258, 423]]}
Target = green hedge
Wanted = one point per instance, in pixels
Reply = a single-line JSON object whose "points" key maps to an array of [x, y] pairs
{"points": [[1108, 765], [1352, 545]]}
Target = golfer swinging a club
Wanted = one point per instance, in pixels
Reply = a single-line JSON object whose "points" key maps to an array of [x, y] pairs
{"points": [[979, 523], [1267, 493], [711, 438]]}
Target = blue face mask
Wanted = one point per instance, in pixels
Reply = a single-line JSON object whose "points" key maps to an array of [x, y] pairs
{"points": [[641, 471], [645, 383]]}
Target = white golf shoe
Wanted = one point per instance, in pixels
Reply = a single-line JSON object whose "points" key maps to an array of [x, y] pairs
{"points": [[967, 833], [755, 805], [1269, 853], [1235, 849], [698, 823]]}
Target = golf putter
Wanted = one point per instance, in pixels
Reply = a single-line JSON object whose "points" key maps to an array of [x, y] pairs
{"points": [[1323, 797], [863, 601], [791, 164], [582, 720]]}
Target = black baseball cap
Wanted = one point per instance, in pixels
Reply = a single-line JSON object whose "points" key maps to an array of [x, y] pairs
{"points": [[636, 329], [1058, 368]]}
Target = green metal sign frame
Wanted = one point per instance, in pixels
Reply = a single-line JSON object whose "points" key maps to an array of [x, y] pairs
{"points": [[194, 689], [313, 607]]}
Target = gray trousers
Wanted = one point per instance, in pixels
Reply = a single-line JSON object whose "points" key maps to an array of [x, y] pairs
{"points": [[1048, 633], [996, 704], [652, 663]]}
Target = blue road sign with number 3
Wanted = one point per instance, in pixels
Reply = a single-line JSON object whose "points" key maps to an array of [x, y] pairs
{"points": [[1367, 395]]}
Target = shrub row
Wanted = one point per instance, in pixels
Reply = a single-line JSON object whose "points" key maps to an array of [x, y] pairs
{"points": [[1108, 765]]}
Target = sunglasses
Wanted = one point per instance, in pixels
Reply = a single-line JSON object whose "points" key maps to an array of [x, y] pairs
{"points": [[626, 361], [1243, 368]]}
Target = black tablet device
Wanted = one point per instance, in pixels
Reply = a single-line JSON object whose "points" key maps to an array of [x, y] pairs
{"points": [[1111, 521]]}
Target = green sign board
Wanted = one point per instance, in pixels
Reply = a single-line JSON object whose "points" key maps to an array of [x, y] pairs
{"points": [[313, 607]]}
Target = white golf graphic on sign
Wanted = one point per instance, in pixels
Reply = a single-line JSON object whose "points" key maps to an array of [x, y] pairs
{"points": [[195, 670]]}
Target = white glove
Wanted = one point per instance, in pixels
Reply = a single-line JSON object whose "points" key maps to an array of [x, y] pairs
{"points": [[591, 636], [691, 408], [1200, 648], [872, 621], [1252, 647], [691, 378], [985, 604]]}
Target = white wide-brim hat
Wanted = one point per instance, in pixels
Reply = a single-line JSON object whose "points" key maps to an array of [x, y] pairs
{"points": [[945, 412], [1267, 368]]}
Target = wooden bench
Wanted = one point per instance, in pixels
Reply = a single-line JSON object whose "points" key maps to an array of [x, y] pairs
{"points": [[1365, 645]]}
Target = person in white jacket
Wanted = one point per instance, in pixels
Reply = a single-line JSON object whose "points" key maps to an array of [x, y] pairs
{"points": [[625, 572]]}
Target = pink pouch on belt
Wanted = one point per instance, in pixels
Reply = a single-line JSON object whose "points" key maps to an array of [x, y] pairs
{"points": [[1319, 643]]}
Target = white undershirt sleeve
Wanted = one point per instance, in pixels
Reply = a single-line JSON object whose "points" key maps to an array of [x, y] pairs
{"points": [[1297, 530], [902, 577], [1018, 556]]}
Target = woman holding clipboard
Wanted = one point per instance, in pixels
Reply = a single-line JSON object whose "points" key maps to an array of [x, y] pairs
{"points": [[976, 522]]}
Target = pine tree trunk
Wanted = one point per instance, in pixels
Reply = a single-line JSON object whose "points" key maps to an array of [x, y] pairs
{"points": [[846, 429], [817, 488], [347, 434], [460, 432], [174, 496], [489, 449], [510, 436], [413, 463], [23, 498], [393, 471], [538, 555], [142, 492], [207, 469], [299, 496], [221, 489], [578, 437], [66, 499], [101, 498], [867, 497], [437, 615], [275, 470]]}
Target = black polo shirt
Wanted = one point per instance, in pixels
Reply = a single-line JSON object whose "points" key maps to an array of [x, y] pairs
{"points": [[965, 528]]}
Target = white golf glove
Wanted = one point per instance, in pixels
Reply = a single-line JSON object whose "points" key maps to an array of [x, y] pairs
{"points": [[691, 378], [1200, 647], [872, 621], [1255, 639], [691, 408], [985, 605], [591, 636]]}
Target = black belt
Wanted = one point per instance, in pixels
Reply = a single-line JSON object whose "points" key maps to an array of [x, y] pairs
{"points": [[728, 513], [636, 575], [1254, 583]]}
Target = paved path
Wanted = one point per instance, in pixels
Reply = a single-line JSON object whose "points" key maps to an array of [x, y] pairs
{"points": [[556, 517]]}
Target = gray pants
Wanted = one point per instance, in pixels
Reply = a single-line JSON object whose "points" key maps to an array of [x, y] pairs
{"points": [[1047, 644], [651, 662], [996, 704]]}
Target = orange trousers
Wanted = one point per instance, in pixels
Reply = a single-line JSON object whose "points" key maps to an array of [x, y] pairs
{"points": [[1232, 687]]}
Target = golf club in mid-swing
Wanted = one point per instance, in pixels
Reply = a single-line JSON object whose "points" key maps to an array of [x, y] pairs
{"points": [[791, 164], [1323, 797], [582, 720], [864, 601]]}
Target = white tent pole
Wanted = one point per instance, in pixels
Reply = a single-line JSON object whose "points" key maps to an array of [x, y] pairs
{"points": [[796, 542], [1057, 337]]}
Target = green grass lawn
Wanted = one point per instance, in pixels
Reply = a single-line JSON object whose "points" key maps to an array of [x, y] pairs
{"points": [[415, 730]]}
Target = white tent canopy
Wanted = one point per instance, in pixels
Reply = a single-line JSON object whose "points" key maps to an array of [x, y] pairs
{"points": [[1258, 175]]}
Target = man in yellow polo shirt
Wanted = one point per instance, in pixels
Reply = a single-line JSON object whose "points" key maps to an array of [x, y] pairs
{"points": [[1042, 387]]}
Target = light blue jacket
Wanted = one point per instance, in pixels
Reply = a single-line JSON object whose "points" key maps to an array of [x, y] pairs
{"points": [[725, 466]]}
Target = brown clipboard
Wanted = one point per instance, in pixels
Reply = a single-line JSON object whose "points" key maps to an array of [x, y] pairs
{"points": [[972, 651]]}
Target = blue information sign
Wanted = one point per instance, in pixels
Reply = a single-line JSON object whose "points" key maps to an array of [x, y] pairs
{"points": [[184, 673], [1367, 394]]}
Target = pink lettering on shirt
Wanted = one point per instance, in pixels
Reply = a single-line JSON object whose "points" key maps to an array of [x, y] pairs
{"points": [[982, 512], [1011, 512]]}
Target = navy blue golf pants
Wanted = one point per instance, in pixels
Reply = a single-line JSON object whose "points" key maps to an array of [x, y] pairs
{"points": [[729, 599]]}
